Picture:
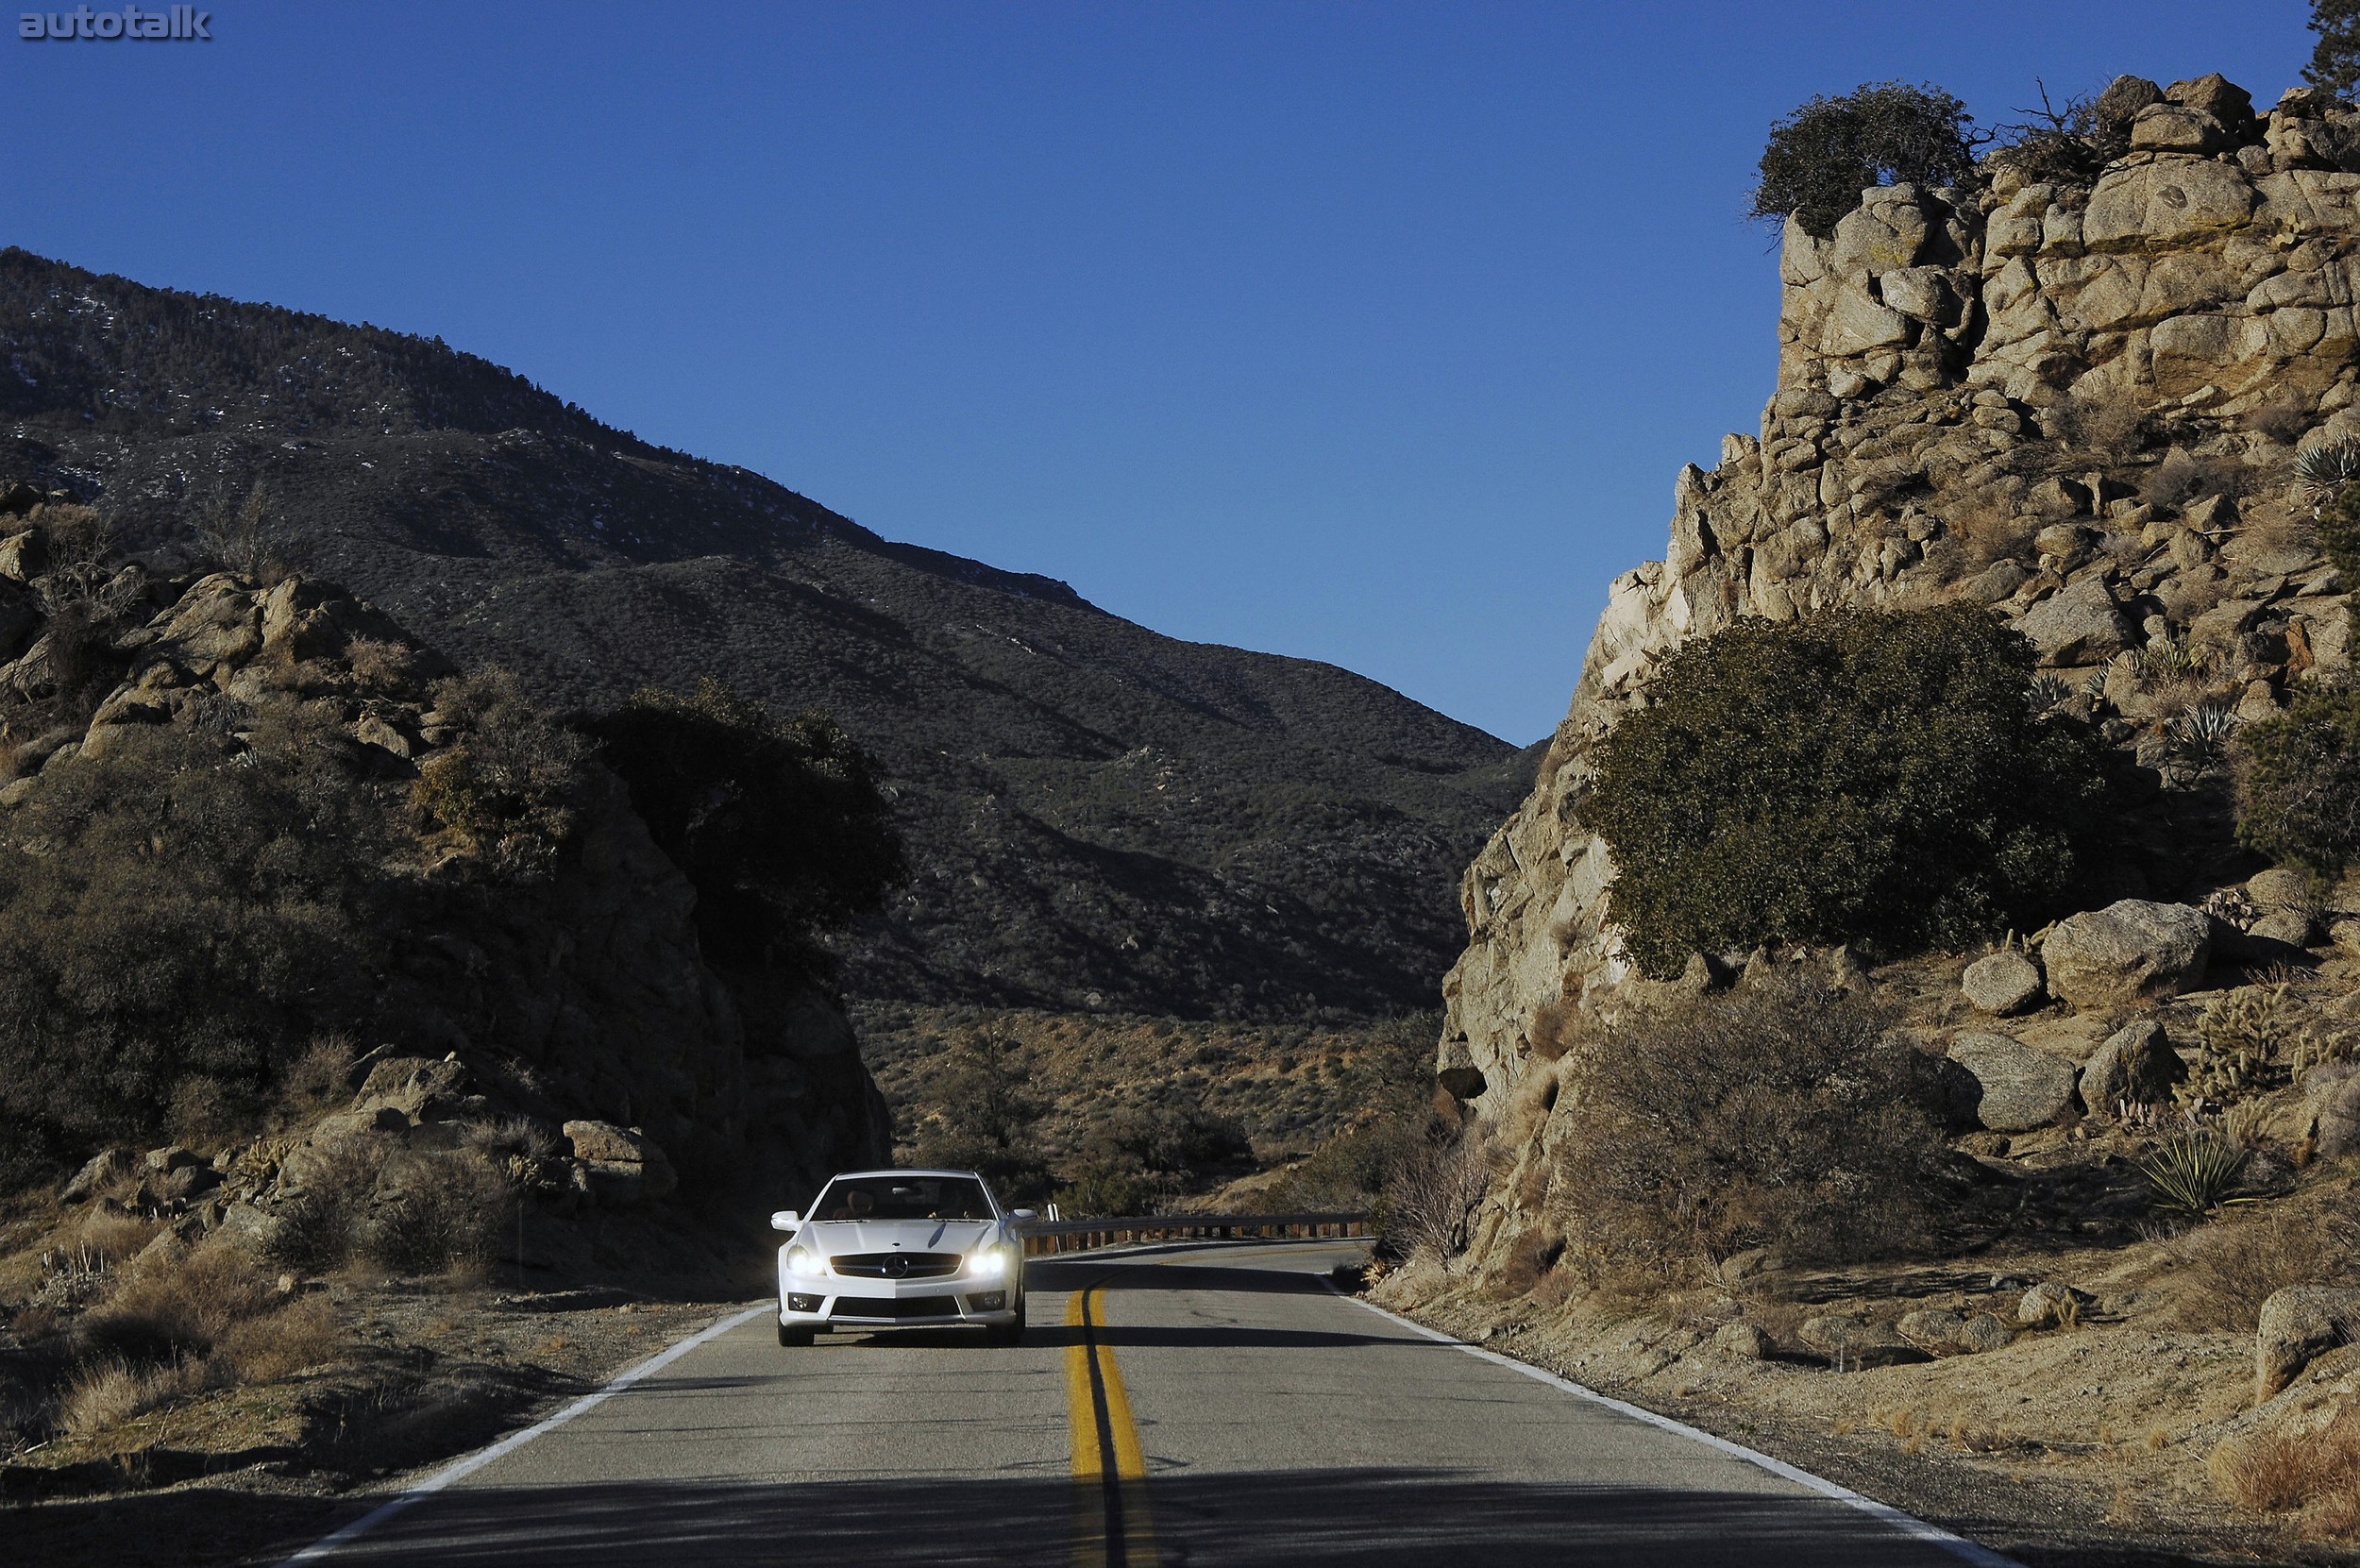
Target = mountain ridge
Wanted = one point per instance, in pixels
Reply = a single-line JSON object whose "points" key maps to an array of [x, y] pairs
{"points": [[1100, 815]]}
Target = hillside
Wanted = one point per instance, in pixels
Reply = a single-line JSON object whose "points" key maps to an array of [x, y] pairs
{"points": [[1099, 815]]}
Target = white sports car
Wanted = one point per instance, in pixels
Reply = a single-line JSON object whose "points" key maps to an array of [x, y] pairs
{"points": [[902, 1249]]}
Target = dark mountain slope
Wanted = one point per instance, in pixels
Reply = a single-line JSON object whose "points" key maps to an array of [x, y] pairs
{"points": [[1098, 814]]}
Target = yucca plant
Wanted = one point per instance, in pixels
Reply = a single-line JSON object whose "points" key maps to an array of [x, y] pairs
{"points": [[2164, 661], [2194, 1172], [2323, 471], [2047, 692], [2198, 740]]}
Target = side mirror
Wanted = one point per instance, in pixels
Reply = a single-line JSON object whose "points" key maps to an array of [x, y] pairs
{"points": [[1018, 1216], [786, 1219]]}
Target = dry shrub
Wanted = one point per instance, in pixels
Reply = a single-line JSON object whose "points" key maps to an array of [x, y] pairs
{"points": [[444, 1210], [300, 1335], [2180, 477], [1552, 1029], [179, 1305], [378, 662], [2108, 429], [108, 1394], [321, 1225], [2318, 1472], [322, 1075], [1780, 1115], [1430, 1205], [2232, 1267], [2283, 418], [1982, 528]]}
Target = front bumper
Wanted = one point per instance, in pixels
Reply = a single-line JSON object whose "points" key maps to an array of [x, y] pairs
{"points": [[867, 1304]]}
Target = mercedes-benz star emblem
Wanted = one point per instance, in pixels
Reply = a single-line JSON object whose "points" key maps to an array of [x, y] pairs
{"points": [[897, 1267]]}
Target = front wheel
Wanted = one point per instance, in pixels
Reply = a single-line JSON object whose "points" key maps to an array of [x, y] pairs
{"points": [[794, 1336], [1009, 1333]]}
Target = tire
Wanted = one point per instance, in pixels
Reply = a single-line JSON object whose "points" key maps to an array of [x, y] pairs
{"points": [[793, 1337], [1009, 1333]]}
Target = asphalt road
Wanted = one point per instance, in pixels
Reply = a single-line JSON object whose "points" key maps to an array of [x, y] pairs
{"points": [[1209, 1407]]}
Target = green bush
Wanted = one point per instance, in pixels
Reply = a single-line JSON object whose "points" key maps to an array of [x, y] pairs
{"points": [[173, 920], [780, 824], [1782, 1115], [1881, 776], [1826, 153], [2299, 783]]}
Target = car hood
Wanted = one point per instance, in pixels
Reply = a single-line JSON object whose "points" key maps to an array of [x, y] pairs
{"points": [[838, 1237]]}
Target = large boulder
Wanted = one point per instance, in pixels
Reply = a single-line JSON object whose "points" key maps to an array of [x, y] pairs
{"points": [[2077, 625], [2136, 1066], [624, 1165], [2006, 981], [112, 1168], [2021, 1088], [1848, 1343], [2299, 1324], [2127, 953], [1939, 1331]]}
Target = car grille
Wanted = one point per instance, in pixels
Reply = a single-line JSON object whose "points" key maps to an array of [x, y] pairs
{"points": [[897, 1265], [896, 1308]]}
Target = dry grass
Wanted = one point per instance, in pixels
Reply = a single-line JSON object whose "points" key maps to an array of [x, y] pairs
{"points": [[2317, 1472], [1990, 530], [170, 1307], [107, 1394], [297, 1336], [112, 1238]]}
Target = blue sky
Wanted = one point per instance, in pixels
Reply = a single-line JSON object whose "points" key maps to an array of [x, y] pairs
{"points": [[1370, 332]]}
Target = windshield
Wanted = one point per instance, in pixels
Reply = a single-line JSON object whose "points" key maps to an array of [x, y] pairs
{"points": [[904, 1198]]}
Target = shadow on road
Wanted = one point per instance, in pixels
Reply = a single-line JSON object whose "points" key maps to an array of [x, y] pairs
{"points": [[1073, 1274], [1371, 1518]]}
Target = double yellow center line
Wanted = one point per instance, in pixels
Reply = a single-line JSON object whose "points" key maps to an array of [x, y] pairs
{"points": [[1111, 1528]]}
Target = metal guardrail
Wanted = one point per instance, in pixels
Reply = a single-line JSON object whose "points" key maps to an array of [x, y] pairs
{"points": [[1050, 1237]]}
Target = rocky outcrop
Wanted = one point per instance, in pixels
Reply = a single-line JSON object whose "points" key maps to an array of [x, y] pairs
{"points": [[2077, 404], [575, 995]]}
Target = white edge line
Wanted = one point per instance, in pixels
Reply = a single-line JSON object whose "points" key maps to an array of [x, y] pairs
{"points": [[1934, 1535], [462, 1469]]}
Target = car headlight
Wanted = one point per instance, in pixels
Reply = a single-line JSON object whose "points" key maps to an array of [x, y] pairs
{"points": [[992, 1263], [802, 1260]]}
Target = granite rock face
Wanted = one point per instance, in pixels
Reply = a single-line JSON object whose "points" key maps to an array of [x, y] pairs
{"points": [[1962, 374]]}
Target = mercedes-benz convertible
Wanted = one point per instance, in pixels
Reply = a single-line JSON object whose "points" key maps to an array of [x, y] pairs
{"points": [[902, 1249]]}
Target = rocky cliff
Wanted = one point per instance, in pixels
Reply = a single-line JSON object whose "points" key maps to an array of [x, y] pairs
{"points": [[291, 821], [2072, 393]]}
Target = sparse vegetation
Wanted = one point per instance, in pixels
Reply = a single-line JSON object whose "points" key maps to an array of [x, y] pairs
{"points": [[1855, 775]]}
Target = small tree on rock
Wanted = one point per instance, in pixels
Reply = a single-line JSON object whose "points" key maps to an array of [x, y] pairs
{"points": [[1826, 153]]}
